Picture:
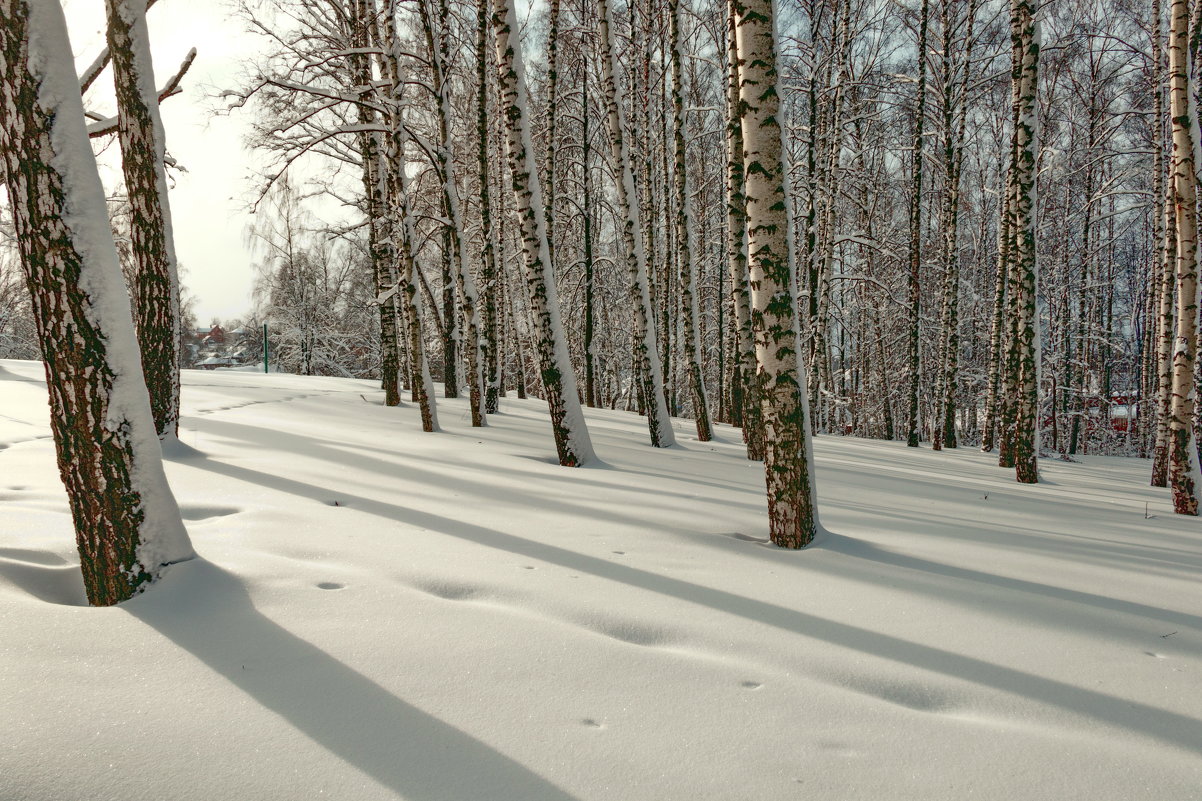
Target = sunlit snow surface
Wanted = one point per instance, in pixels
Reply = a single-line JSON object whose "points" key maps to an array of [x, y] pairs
{"points": [[381, 613]]}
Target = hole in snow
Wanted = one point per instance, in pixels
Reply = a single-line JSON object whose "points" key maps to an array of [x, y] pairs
{"points": [[330, 585]]}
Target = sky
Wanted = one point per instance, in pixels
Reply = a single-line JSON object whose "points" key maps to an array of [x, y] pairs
{"points": [[209, 200]]}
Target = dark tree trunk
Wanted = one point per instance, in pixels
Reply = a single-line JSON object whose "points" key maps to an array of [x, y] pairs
{"points": [[156, 282]]}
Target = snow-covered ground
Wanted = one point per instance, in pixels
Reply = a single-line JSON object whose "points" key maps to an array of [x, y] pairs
{"points": [[380, 613]]}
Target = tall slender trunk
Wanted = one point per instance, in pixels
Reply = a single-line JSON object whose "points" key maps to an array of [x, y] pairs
{"points": [[744, 384], [127, 523], [381, 242], [991, 433], [1026, 436], [1080, 383], [915, 284], [567, 419], [792, 502], [955, 127], [394, 189], [590, 360], [1185, 477], [1009, 380], [489, 272], [156, 282], [549, 185], [1165, 283], [455, 243], [646, 350], [686, 248]]}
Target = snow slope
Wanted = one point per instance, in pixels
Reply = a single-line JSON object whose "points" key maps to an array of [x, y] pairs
{"points": [[379, 613]]}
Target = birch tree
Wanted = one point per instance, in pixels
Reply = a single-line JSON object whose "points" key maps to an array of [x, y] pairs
{"points": [[128, 526], [792, 507], [140, 132], [1185, 477], [1025, 33], [572, 440], [685, 232], [646, 350]]}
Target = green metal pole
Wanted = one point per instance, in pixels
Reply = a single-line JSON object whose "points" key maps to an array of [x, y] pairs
{"points": [[265, 347]]}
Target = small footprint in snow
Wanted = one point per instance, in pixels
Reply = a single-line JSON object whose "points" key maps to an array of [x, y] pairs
{"points": [[751, 685], [592, 724], [330, 585], [1156, 655]]}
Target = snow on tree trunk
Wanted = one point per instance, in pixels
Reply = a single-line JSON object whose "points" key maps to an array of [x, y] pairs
{"points": [[736, 221], [685, 247], [1185, 478], [127, 523], [1025, 31], [646, 350], [381, 244], [156, 279], [567, 418], [400, 235], [437, 39], [792, 506]]}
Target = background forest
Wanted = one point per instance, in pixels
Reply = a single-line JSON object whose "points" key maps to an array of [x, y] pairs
{"points": [[850, 93]]}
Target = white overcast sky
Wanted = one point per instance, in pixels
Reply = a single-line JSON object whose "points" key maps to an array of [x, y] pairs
{"points": [[208, 202]]}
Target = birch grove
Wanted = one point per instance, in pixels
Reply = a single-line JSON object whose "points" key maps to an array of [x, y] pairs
{"points": [[949, 223]]}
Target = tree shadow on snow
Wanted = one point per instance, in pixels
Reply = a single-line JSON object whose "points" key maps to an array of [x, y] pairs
{"points": [[1167, 727], [208, 612]]}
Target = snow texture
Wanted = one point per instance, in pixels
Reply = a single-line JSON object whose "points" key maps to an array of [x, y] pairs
{"points": [[85, 215], [384, 614]]}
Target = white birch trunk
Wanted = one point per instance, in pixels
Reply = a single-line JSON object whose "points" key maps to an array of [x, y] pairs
{"points": [[792, 502], [647, 360], [1184, 474], [572, 440]]}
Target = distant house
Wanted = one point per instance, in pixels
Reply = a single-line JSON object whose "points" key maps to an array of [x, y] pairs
{"points": [[213, 347], [213, 362]]}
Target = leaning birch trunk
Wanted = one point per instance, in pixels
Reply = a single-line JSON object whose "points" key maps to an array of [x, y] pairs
{"points": [[438, 42], [127, 523], [792, 502], [156, 282], [567, 418], [736, 222], [1185, 478], [396, 211], [685, 246], [1026, 419], [915, 284], [646, 351]]}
